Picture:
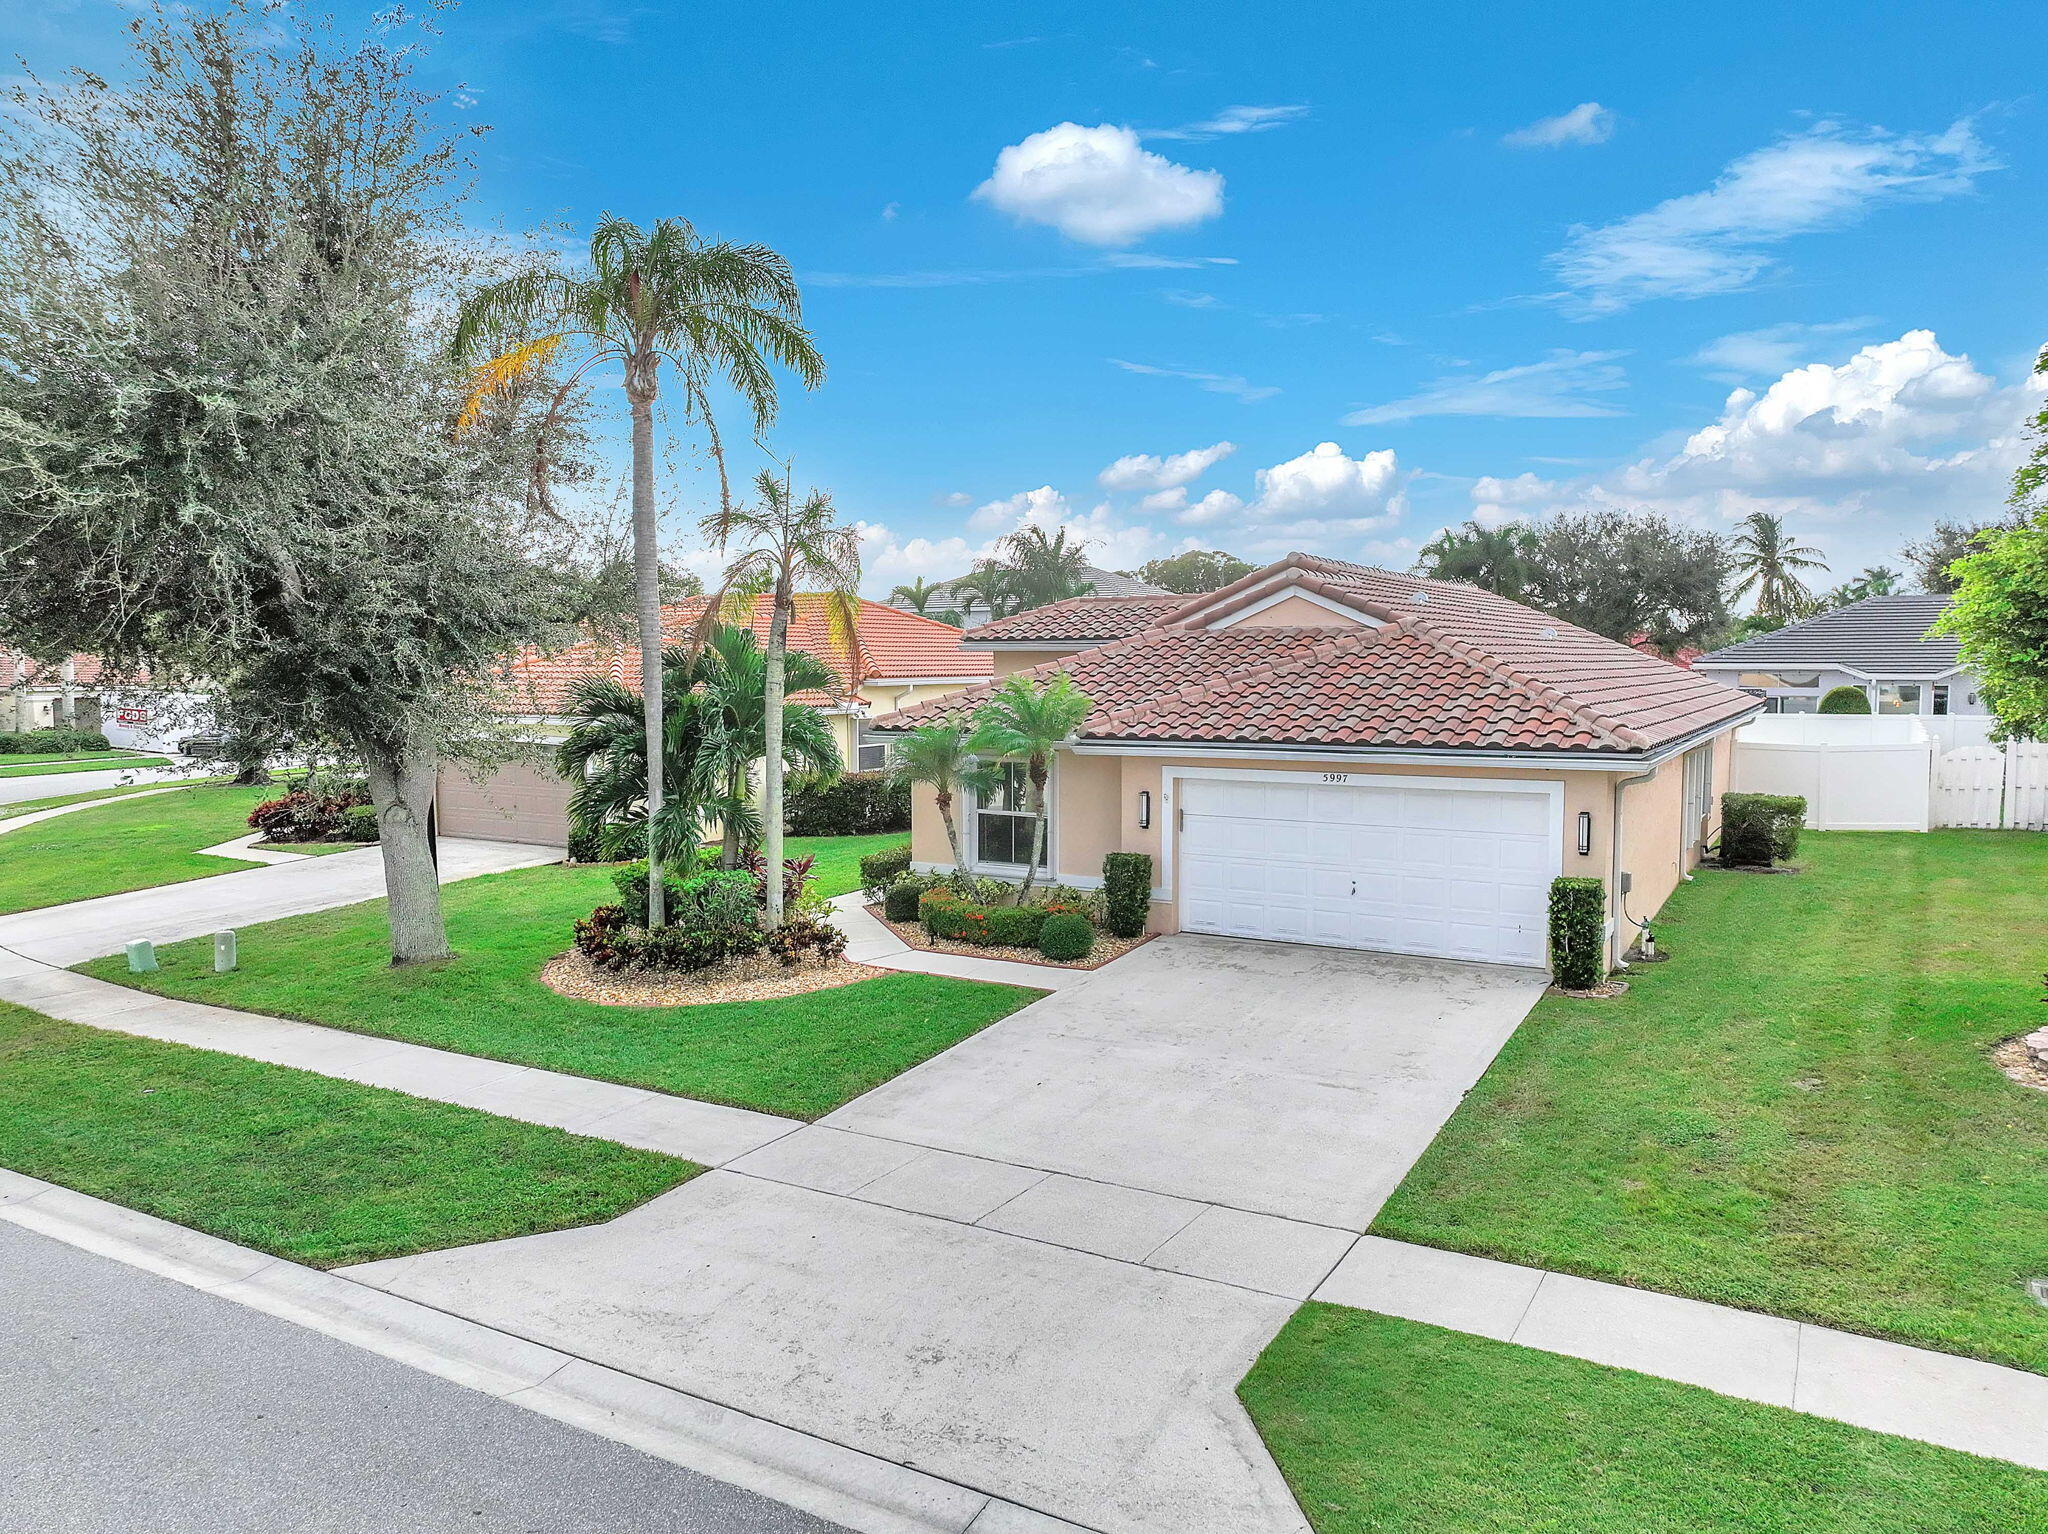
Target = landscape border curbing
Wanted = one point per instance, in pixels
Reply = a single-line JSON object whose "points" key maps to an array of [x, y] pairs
{"points": [[861, 1491]]}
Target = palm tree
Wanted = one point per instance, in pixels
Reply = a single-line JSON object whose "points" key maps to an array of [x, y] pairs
{"points": [[1497, 559], [1030, 720], [732, 671], [916, 595], [711, 311], [1042, 570], [937, 756], [790, 546], [713, 734], [1767, 560], [988, 584]]}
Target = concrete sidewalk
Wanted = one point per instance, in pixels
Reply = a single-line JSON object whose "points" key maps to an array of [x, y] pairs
{"points": [[1939, 1398], [86, 929]]}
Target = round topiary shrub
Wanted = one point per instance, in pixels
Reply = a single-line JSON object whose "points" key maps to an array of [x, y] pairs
{"points": [[1066, 937], [899, 901], [1845, 700]]}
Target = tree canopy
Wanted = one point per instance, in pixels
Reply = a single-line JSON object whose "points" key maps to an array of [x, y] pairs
{"points": [[1195, 571]]}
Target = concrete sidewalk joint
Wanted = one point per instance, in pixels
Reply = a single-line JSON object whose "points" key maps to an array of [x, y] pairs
{"points": [[861, 1491]]}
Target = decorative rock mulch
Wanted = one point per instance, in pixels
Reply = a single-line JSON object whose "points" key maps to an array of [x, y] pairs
{"points": [[2025, 1059], [1106, 948], [1607, 990], [761, 978]]}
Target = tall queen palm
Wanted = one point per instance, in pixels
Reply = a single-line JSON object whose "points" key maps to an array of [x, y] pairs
{"points": [[714, 312], [786, 547], [1768, 560]]}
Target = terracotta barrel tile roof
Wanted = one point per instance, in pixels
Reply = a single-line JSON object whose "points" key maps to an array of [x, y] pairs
{"points": [[887, 644], [1459, 668], [1082, 618]]}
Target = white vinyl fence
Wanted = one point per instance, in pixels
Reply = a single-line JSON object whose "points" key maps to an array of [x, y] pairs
{"points": [[1862, 772]]}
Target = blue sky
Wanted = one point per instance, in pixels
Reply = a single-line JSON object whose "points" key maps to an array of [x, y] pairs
{"points": [[1319, 276]]}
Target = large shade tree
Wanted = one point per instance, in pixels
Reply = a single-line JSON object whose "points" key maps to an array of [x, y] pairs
{"points": [[784, 547], [1627, 573], [225, 421], [1195, 571], [649, 301]]}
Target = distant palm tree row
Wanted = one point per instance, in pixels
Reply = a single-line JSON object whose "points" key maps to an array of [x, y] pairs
{"points": [[1028, 569]]}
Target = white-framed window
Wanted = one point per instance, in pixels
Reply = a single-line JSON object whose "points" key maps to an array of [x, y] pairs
{"points": [[1003, 823], [1699, 794], [1898, 697], [870, 752]]}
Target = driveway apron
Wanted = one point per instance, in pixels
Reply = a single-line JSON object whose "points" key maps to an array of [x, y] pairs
{"points": [[1039, 1263]]}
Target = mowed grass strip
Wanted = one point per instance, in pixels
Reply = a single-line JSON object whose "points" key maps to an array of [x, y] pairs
{"points": [[308, 1167], [37, 766], [124, 846], [30, 806], [1384, 1426], [800, 1056], [1797, 1114]]}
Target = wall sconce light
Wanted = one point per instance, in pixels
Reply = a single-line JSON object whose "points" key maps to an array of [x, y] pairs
{"points": [[1585, 833], [1144, 809]]}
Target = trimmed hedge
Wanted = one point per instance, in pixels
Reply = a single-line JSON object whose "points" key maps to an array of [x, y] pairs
{"points": [[50, 742], [1126, 893], [1066, 937], [1845, 700], [1758, 830], [852, 804], [1578, 932], [899, 901], [880, 870], [953, 919]]}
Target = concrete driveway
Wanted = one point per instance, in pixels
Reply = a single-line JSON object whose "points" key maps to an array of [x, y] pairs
{"points": [[1269, 1077], [1038, 1264]]}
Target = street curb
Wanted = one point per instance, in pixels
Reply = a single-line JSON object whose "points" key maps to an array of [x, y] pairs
{"points": [[862, 1492]]}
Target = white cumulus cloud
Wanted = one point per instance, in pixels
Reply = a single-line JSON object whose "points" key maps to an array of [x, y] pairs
{"points": [[1149, 471], [1324, 488], [1564, 384], [1587, 123], [1717, 241], [1750, 354], [1099, 185]]}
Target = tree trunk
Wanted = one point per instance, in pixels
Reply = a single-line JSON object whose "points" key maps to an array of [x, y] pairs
{"points": [[945, 803], [1035, 776], [402, 788], [771, 784], [647, 588]]}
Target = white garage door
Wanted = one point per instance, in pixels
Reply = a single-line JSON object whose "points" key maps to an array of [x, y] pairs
{"points": [[1454, 873]]}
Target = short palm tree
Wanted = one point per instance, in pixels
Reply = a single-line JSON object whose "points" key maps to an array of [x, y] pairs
{"points": [[915, 595], [732, 675], [937, 756], [1028, 720], [712, 311], [1768, 562], [787, 547]]}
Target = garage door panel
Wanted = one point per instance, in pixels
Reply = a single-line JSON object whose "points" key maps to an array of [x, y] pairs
{"points": [[1451, 872]]}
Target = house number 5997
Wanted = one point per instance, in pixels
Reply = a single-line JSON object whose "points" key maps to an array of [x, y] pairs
{"points": [[1336, 777]]}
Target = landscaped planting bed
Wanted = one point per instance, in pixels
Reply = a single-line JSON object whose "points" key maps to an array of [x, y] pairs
{"points": [[1384, 1425], [1798, 1114], [801, 1056], [308, 1167], [914, 934]]}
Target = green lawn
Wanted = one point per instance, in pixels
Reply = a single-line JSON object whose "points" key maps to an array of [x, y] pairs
{"points": [[838, 868], [30, 806], [1796, 1114], [124, 846], [37, 766], [307, 1167], [1392, 1427], [801, 1056]]}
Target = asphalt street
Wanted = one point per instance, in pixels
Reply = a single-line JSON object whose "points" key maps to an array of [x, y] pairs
{"points": [[130, 1404]]}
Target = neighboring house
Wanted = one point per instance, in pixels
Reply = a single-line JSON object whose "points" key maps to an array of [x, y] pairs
{"points": [[1879, 644], [1327, 753], [896, 660], [946, 596], [43, 696]]}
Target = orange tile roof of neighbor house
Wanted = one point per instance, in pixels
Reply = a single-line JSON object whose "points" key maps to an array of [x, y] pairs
{"points": [[888, 645], [1430, 665]]}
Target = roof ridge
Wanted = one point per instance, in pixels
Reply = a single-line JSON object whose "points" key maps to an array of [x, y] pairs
{"points": [[1195, 692], [1543, 692]]}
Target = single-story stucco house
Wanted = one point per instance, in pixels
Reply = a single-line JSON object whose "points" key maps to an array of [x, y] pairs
{"points": [[1327, 753], [896, 660], [1880, 644]]}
